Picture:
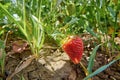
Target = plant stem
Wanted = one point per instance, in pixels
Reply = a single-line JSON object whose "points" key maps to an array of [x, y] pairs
{"points": [[85, 70]]}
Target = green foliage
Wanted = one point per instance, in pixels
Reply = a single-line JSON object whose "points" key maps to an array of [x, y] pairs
{"points": [[22, 78], [100, 69], [92, 58], [2, 55], [91, 64], [29, 25], [44, 20]]}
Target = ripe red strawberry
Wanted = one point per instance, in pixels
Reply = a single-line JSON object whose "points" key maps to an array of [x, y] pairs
{"points": [[73, 46]]}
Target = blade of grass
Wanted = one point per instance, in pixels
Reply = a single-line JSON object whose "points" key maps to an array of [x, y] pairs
{"points": [[39, 10], [11, 18], [22, 78], [2, 55], [92, 57], [72, 21], [92, 32], [100, 69], [40, 32], [24, 16]]}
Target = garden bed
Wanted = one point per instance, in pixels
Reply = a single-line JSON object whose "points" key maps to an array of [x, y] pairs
{"points": [[57, 66]]}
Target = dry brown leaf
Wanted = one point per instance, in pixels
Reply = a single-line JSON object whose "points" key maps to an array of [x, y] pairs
{"points": [[19, 46], [23, 64]]}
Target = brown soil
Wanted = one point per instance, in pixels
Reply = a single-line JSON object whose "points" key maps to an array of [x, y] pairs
{"points": [[57, 66]]}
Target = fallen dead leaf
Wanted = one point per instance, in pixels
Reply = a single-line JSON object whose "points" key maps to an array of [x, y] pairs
{"points": [[19, 46], [23, 64]]}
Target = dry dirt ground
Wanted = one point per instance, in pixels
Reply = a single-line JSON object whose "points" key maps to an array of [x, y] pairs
{"points": [[55, 65]]}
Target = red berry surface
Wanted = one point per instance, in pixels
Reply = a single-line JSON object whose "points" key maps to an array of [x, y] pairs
{"points": [[73, 46]]}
